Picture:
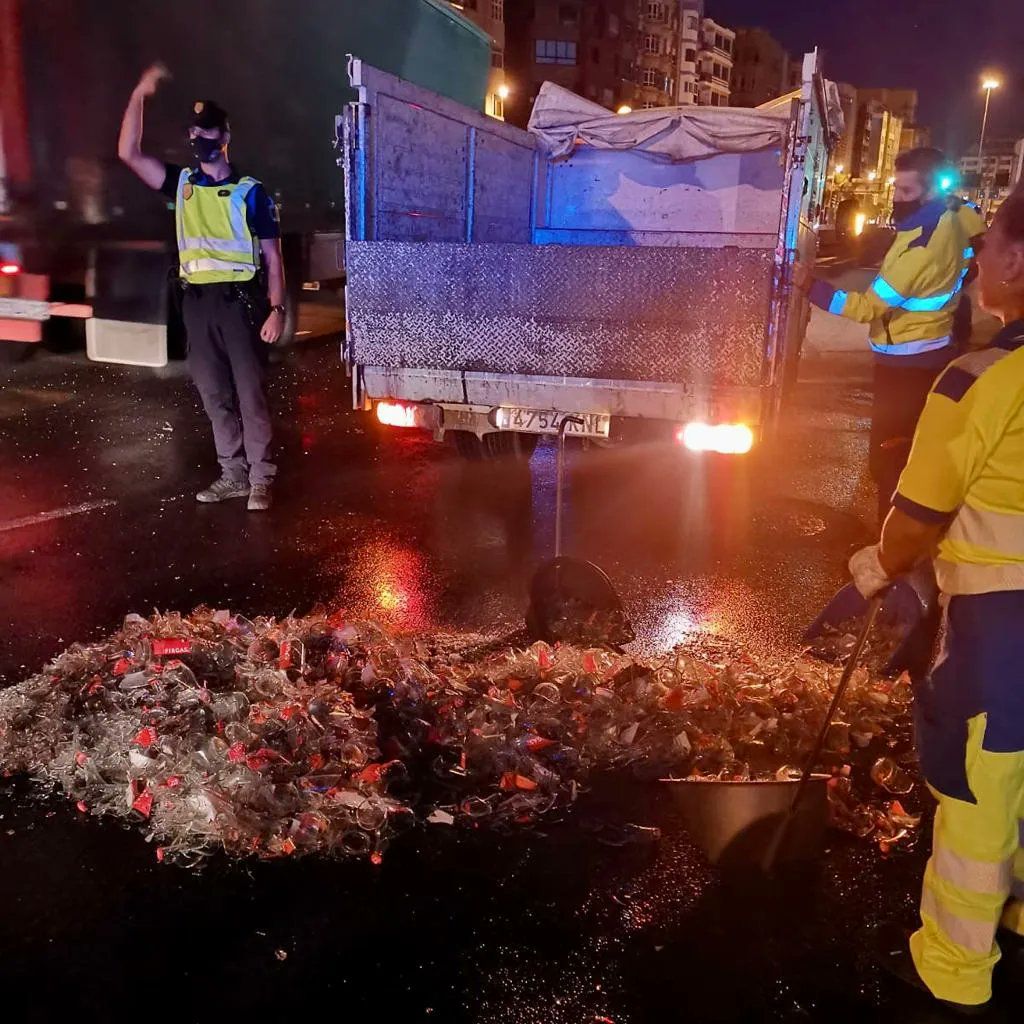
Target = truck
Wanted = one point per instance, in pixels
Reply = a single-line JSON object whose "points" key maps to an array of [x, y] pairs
{"points": [[80, 237], [609, 275]]}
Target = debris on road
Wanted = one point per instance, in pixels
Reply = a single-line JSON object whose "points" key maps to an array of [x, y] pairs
{"points": [[838, 640], [277, 738]]}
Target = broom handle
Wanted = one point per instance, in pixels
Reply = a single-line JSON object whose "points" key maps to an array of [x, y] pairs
{"points": [[560, 475], [851, 663]]}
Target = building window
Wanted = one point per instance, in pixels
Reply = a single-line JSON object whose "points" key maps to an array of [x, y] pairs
{"points": [[497, 59], [555, 51], [691, 22], [498, 106], [690, 55], [498, 10], [648, 77], [656, 11], [651, 44], [568, 14], [649, 105]]}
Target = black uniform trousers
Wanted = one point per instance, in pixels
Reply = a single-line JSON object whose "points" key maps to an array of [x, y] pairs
{"points": [[899, 398], [227, 360]]}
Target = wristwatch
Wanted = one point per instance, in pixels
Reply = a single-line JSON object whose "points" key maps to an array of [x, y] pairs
{"points": [[277, 309]]}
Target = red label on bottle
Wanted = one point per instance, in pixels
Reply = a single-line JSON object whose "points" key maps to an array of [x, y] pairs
{"points": [[170, 648], [285, 659]]}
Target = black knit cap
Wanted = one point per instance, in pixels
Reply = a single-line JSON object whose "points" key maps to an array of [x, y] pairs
{"points": [[209, 114]]}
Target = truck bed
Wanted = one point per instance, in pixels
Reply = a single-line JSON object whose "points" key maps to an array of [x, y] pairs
{"points": [[483, 273]]}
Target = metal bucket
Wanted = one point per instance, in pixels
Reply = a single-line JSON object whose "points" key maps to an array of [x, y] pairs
{"points": [[733, 822]]}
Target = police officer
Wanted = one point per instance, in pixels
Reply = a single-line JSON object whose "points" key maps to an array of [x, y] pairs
{"points": [[910, 306], [229, 253], [963, 490]]}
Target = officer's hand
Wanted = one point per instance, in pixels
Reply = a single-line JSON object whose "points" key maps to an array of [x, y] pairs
{"points": [[273, 327], [151, 78], [868, 575], [803, 277]]}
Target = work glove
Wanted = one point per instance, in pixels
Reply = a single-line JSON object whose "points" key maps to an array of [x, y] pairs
{"points": [[868, 575]]}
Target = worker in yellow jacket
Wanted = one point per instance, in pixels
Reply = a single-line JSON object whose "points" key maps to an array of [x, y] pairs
{"points": [[962, 494], [909, 306]]}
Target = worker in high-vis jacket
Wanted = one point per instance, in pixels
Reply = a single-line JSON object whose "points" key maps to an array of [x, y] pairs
{"points": [[909, 306], [229, 255], [961, 498]]}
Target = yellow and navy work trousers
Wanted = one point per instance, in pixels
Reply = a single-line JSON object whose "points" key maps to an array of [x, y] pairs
{"points": [[970, 733]]}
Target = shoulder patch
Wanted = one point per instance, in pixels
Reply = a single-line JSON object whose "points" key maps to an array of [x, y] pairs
{"points": [[962, 373], [954, 383]]}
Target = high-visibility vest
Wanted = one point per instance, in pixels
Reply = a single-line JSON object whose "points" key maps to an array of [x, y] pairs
{"points": [[911, 303], [214, 240], [966, 468]]}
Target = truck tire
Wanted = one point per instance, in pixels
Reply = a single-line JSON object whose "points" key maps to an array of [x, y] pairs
{"points": [[510, 445], [12, 352], [504, 445]]}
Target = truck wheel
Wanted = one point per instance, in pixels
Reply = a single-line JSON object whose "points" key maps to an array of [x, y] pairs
{"points": [[502, 445], [12, 352], [510, 445], [467, 445]]}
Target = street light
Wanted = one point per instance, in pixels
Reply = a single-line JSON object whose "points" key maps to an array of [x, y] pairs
{"points": [[872, 175], [504, 91], [840, 168], [624, 109], [988, 83]]}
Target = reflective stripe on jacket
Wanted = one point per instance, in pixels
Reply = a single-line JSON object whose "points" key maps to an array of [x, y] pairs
{"points": [[214, 240], [911, 303]]}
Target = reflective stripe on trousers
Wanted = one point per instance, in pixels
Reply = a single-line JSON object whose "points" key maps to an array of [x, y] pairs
{"points": [[975, 876]]}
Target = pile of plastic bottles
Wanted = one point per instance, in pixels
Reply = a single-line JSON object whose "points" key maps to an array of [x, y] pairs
{"points": [[317, 734]]}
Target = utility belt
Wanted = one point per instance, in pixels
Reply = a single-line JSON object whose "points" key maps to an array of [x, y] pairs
{"points": [[251, 295]]}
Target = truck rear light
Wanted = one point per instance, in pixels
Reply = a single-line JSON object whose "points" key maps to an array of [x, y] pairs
{"points": [[722, 438], [409, 414], [10, 269]]}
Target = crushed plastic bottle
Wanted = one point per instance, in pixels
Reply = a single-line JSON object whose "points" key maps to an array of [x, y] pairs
{"points": [[314, 734]]}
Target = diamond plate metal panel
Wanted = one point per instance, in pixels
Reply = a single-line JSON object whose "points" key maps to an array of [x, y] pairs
{"points": [[644, 313]]}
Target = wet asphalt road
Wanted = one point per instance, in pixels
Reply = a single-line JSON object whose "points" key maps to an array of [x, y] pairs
{"points": [[453, 927]]}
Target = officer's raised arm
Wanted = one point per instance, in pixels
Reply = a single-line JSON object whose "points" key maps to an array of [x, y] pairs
{"points": [[129, 142]]}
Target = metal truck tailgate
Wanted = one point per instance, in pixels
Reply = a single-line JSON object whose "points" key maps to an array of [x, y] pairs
{"points": [[616, 313]]}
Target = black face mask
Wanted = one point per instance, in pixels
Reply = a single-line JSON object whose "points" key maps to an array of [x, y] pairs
{"points": [[204, 150], [907, 208]]}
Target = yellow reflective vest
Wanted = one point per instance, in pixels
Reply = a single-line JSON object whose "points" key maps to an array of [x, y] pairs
{"points": [[214, 240], [910, 304], [966, 468]]}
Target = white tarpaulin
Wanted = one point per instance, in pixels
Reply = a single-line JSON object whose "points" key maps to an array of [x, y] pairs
{"points": [[563, 120]]}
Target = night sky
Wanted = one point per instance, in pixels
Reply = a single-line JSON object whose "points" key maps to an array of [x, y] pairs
{"points": [[938, 47]]}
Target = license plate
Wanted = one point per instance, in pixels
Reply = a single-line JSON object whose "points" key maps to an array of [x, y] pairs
{"points": [[536, 421]]}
